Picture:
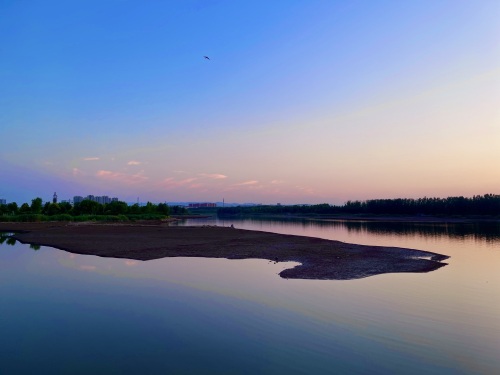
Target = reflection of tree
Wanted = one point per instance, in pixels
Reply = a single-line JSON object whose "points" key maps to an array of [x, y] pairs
{"points": [[489, 231], [10, 241], [6, 238]]}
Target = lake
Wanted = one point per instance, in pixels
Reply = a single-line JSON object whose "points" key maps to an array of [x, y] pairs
{"points": [[68, 313]]}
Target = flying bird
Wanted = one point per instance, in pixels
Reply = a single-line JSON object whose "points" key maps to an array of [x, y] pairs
{"points": [[206, 57]]}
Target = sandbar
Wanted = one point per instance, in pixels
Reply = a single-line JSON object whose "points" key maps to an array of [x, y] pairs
{"points": [[318, 258]]}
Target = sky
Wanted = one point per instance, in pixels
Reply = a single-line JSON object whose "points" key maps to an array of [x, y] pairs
{"points": [[299, 102]]}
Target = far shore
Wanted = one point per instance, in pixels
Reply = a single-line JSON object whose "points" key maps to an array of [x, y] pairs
{"points": [[369, 217], [318, 258]]}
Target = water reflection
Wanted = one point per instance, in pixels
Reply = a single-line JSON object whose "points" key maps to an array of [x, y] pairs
{"points": [[196, 315], [488, 231], [479, 231], [5, 238]]}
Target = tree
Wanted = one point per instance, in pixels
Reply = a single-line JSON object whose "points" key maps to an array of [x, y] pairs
{"points": [[178, 210], [36, 205], [116, 208], [88, 207], [65, 207], [13, 209], [163, 209], [54, 209], [25, 209], [149, 208], [46, 208], [135, 209]]}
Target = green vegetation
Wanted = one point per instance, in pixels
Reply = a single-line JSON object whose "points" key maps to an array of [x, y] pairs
{"points": [[86, 210], [488, 204], [203, 211]]}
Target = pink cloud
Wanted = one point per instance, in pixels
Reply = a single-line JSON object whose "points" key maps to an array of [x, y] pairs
{"points": [[247, 183], [215, 176], [134, 162], [187, 181], [172, 183], [91, 159], [121, 177]]}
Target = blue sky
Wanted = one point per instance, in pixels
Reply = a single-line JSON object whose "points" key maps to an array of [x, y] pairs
{"points": [[300, 102]]}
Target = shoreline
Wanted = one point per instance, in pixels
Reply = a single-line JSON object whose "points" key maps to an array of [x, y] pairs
{"points": [[379, 218], [318, 258]]}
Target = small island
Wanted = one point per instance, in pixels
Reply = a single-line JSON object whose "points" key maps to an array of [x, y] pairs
{"points": [[318, 258]]}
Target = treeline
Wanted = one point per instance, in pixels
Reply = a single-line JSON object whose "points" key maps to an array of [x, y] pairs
{"points": [[86, 210], [488, 204]]}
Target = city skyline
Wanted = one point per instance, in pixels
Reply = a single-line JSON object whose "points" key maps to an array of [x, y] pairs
{"points": [[299, 102], [104, 199]]}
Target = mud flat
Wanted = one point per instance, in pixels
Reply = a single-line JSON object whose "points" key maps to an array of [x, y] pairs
{"points": [[318, 258]]}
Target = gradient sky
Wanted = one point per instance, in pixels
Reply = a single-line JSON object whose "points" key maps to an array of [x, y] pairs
{"points": [[300, 102]]}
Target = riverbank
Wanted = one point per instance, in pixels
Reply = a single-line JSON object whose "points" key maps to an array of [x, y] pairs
{"points": [[319, 258], [378, 218]]}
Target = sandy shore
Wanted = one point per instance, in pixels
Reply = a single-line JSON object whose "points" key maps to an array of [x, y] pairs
{"points": [[319, 258]]}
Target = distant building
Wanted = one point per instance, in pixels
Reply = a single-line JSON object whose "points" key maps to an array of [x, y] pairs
{"points": [[103, 199], [202, 205], [54, 198], [3, 201]]}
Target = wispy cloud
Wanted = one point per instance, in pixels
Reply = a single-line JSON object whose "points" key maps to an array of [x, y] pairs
{"points": [[91, 159], [275, 182], [77, 172], [187, 181], [121, 177], [172, 182], [215, 176], [247, 183], [134, 162]]}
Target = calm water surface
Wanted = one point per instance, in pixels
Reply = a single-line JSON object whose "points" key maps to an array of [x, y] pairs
{"points": [[67, 313]]}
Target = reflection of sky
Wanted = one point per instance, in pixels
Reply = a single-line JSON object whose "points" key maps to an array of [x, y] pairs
{"points": [[443, 321], [301, 102], [460, 301]]}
